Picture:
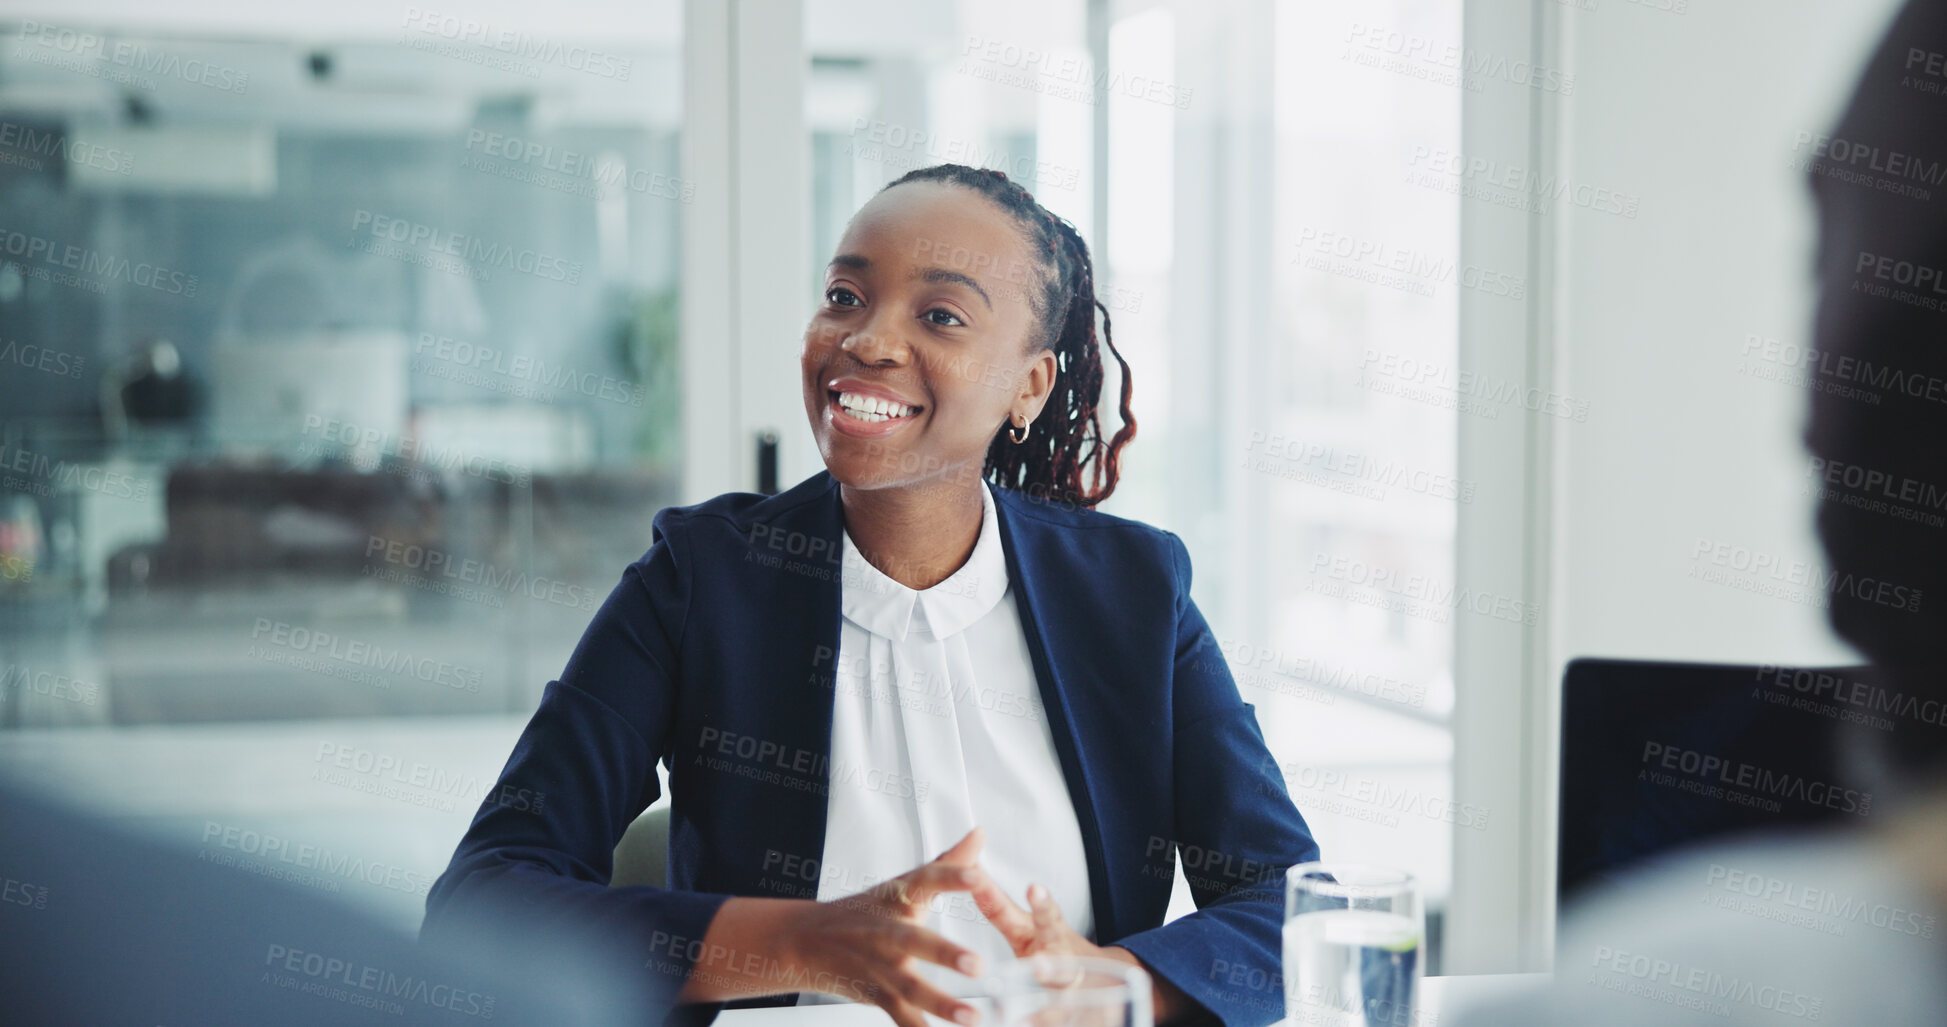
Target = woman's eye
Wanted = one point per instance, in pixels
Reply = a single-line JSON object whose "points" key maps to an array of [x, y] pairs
{"points": [[843, 297], [952, 320]]}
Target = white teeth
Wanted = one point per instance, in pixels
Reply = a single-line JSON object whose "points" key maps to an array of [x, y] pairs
{"points": [[872, 408]]}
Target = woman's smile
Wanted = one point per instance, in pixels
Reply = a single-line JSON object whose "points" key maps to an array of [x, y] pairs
{"points": [[865, 410]]}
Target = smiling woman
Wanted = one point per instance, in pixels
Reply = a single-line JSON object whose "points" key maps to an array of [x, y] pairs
{"points": [[928, 710], [944, 333]]}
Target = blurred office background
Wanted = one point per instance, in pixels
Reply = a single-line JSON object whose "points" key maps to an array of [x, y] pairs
{"points": [[347, 351]]}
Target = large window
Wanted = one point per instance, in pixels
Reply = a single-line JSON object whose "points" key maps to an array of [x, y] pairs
{"points": [[1261, 188], [339, 384]]}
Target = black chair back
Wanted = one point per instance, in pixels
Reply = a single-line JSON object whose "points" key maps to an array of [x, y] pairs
{"points": [[1656, 756]]}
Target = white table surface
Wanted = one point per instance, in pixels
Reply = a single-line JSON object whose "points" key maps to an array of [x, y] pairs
{"points": [[1443, 997]]}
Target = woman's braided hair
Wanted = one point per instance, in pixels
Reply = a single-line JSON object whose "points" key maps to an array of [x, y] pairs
{"points": [[1064, 458]]}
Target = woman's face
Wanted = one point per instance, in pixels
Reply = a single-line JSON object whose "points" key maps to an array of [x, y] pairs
{"points": [[920, 349]]}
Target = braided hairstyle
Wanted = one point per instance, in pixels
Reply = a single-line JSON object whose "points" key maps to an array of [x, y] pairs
{"points": [[1064, 458]]}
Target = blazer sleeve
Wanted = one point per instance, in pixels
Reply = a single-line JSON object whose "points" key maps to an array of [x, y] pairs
{"points": [[539, 851], [1237, 831]]}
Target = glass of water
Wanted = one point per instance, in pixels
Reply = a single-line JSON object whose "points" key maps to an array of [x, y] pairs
{"points": [[1063, 991], [1352, 940]]}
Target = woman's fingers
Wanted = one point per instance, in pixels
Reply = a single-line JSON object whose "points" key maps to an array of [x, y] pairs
{"points": [[904, 988], [966, 851], [914, 889], [1014, 923], [913, 992], [903, 1013], [949, 871], [923, 944], [1047, 916]]}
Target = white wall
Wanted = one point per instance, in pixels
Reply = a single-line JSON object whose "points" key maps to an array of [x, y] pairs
{"points": [[632, 23], [1697, 113], [1686, 112]]}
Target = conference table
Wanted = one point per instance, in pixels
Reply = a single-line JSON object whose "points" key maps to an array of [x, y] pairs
{"points": [[1441, 998]]}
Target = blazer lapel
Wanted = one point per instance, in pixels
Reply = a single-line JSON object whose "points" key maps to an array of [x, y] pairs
{"points": [[1025, 541], [790, 649]]}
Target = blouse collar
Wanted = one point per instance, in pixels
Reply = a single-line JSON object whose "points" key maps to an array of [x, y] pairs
{"points": [[885, 607]]}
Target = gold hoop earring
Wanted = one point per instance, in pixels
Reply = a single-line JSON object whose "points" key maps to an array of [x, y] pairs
{"points": [[1023, 437]]}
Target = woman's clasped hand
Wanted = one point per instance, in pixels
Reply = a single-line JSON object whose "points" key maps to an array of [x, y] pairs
{"points": [[870, 947]]}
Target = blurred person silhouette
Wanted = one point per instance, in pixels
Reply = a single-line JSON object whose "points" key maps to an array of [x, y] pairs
{"points": [[1837, 925], [100, 925]]}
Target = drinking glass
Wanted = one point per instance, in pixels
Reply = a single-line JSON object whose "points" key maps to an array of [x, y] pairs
{"points": [[1352, 940], [1063, 991]]}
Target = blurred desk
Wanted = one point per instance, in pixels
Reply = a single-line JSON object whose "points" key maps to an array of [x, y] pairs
{"points": [[1444, 997]]}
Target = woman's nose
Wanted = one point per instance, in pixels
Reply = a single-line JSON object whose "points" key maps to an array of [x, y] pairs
{"points": [[877, 343]]}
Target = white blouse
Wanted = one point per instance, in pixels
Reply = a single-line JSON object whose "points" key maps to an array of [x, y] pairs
{"points": [[937, 725]]}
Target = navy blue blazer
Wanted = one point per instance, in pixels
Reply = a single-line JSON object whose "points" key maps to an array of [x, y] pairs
{"points": [[715, 654]]}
